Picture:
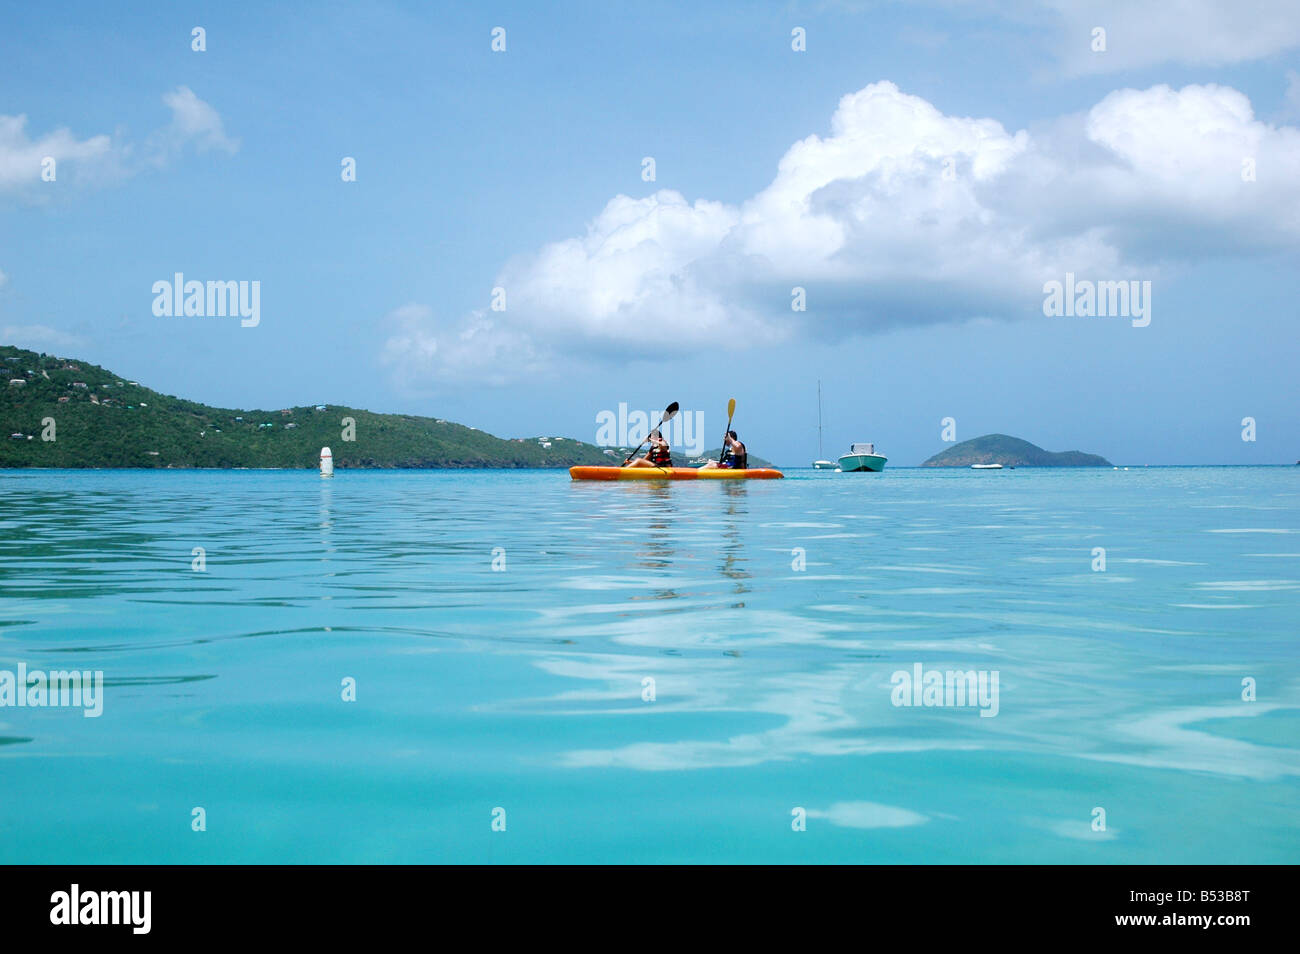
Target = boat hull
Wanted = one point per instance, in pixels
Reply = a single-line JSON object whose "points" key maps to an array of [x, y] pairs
{"points": [[862, 463], [672, 473], [825, 465]]}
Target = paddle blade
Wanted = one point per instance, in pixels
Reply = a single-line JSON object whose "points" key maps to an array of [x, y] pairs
{"points": [[669, 413], [731, 409]]}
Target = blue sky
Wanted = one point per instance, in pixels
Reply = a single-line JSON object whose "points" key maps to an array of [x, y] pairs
{"points": [[824, 169]]}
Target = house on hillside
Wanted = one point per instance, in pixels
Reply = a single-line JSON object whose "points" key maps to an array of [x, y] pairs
{"points": [[18, 382]]}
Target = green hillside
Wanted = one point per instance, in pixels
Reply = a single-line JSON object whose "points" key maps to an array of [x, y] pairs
{"points": [[103, 420], [1010, 452]]}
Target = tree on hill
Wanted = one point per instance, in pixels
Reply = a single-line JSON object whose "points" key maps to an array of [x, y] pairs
{"points": [[77, 414]]}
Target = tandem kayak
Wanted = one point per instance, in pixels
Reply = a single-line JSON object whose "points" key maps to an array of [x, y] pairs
{"points": [[672, 473]]}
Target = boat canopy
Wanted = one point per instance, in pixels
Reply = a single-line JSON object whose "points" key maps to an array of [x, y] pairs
{"points": [[862, 448]]}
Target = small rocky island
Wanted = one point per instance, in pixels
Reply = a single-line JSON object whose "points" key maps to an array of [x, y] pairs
{"points": [[1010, 452]]}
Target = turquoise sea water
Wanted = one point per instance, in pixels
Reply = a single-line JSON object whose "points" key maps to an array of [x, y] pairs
{"points": [[523, 688]]}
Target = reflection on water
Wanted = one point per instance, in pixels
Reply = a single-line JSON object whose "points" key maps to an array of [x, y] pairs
{"points": [[656, 537], [501, 630], [731, 537]]}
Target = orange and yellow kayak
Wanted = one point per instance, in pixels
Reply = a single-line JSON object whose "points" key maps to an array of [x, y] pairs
{"points": [[672, 473]]}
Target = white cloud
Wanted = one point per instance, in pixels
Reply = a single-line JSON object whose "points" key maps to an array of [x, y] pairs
{"points": [[642, 264], [39, 337], [423, 353], [194, 124], [1200, 32], [21, 156], [901, 215], [1168, 179], [1139, 33], [1291, 99]]}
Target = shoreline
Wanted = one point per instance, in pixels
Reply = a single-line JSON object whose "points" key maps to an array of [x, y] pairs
{"points": [[564, 467]]}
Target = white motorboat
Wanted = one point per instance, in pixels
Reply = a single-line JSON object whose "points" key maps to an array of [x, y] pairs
{"points": [[862, 457]]}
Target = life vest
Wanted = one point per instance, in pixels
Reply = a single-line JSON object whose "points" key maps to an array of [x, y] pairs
{"points": [[736, 460], [660, 455]]}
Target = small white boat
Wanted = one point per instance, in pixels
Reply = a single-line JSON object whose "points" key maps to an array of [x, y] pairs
{"points": [[862, 457], [821, 464], [985, 466]]}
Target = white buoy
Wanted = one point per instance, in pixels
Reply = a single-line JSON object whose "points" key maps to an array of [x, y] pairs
{"points": [[326, 462]]}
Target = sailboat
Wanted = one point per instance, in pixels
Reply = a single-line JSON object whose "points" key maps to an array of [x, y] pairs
{"points": [[820, 464]]}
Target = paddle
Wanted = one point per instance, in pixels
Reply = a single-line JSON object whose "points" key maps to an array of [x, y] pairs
{"points": [[669, 413], [731, 412]]}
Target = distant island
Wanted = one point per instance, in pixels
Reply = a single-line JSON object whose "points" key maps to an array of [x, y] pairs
{"points": [[98, 419], [1010, 452], [681, 460]]}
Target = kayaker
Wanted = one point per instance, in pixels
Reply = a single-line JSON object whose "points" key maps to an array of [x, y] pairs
{"points": [[659, 454], [734, 455]]}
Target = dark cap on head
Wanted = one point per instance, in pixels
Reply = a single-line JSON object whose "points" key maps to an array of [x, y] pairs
{"points": [[732, 435]]}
